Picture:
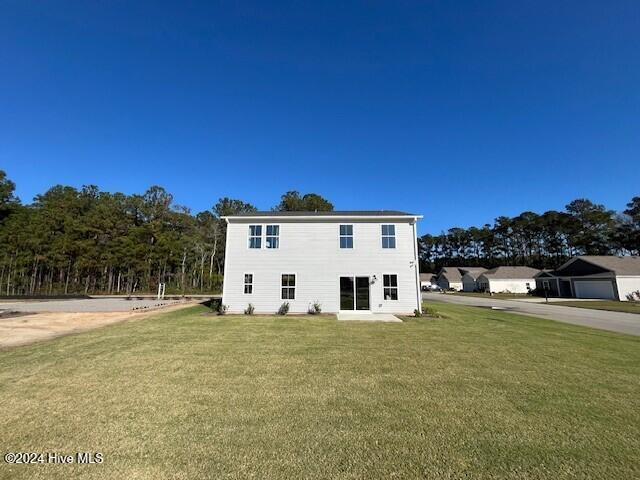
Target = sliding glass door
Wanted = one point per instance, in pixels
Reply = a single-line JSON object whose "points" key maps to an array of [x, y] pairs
{"points": [[354, 293]]}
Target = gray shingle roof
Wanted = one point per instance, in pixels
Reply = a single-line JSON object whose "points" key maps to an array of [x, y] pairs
{"points": [[619, 265], [335, 213], [508, 272], [473, 271]]}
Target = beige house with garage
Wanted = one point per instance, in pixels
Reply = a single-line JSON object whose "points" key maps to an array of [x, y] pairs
{"points": [[508, 279]]}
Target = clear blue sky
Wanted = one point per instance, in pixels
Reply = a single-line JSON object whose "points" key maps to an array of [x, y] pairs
{"points": [[460, 111]]}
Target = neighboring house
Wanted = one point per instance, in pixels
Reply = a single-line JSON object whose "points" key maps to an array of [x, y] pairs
{"points": [[427, 280], [347, 261], [450, 278], [469, 278], [508, 279], [587, 276]]}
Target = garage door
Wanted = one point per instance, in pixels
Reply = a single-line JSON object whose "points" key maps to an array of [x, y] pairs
{"points": [[594, 289]]}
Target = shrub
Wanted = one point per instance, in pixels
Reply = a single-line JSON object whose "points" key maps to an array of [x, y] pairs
{"points": [[315, 308], [430, 312], [634, 296], [249, 310], [222, 308], [284, 309], [416, 313]]}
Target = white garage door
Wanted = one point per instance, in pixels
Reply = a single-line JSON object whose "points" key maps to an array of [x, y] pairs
{"points": [[594, 289]]}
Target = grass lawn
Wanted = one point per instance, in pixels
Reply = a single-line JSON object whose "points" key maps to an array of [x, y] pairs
{"points": [[477, 394], [630, 307]]}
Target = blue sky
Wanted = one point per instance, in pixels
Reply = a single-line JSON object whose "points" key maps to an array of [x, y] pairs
{"points": [[460, 111]]}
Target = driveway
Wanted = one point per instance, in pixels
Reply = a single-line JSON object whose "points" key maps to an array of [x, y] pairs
{"points": [[620, 322]]}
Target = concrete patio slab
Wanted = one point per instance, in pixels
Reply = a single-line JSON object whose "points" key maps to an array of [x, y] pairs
{"points": [[368, 317]]}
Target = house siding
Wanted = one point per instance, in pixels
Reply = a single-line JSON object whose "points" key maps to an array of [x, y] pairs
{"points": [[311, 250], [627, 285], [511, 285]]}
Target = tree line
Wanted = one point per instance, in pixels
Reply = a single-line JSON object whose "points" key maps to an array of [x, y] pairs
{"points": [[538, 240], [87, 241]]}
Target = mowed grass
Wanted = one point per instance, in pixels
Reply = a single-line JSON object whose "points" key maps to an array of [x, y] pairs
{"points": [[612, 305], [475, 394]]}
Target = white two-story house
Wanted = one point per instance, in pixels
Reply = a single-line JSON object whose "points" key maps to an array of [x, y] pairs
{"points": [[360, 261]]}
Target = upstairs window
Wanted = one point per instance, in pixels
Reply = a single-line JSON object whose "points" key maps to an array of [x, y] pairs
{"points": [[248, 283], [255, 236], [388, 236], [390, 287], [272, 240], [288, 286], [346, 236]]}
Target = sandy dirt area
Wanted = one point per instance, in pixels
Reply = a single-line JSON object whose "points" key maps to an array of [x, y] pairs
{"points": [[31, 328]]}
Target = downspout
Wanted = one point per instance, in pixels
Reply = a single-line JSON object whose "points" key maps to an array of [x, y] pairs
{"points": [[417, 265]]}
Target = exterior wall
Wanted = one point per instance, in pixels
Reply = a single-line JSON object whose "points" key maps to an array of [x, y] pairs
{"points": [[468, 283], [444, 283], [626, 285], [554, 290], [511, 285], [311, 250]]}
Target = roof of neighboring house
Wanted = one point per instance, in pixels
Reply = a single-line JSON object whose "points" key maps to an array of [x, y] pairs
{"points": [[426, 277], [454, 274], [451, 273], [474, 272], [508, 273], [334, 213], [619, 265]]}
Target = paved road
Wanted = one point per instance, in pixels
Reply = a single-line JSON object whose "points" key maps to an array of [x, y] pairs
{"points": [[620, 322]]}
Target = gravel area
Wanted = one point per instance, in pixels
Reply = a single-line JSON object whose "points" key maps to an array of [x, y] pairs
{"points": [[86, 305]]}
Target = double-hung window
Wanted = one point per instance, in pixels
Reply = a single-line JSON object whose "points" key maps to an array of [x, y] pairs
{"points": [[272, 239], [255, 236], [390, 286], [248, 283], [346, 236], [388, 236], [288, 286]]}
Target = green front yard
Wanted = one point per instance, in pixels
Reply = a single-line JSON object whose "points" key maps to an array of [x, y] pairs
{"points": [[612, 305], [476, 394]]}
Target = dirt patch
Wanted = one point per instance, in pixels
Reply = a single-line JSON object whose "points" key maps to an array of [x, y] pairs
{"points": [[24, 329]]}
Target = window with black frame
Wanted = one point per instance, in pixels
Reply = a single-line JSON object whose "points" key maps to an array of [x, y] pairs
{"points": [[288, 286]]}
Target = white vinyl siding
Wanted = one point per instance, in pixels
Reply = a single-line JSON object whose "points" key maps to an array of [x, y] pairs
{"points": [[311, 250]]}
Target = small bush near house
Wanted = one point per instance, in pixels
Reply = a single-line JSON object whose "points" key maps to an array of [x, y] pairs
{"points": [[315, 309], [430, 312], [222, 308], [416, 313], [284, 309], [249, 310]]}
